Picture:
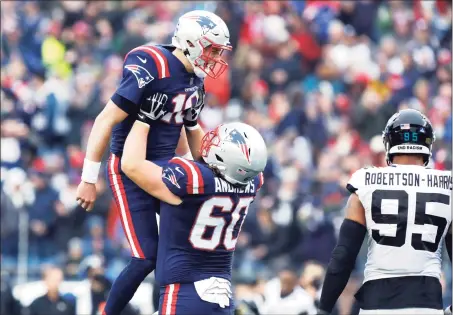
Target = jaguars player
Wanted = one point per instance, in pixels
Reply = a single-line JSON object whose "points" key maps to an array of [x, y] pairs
{"points": [[171, 76], [204, 204], [406, 210]]}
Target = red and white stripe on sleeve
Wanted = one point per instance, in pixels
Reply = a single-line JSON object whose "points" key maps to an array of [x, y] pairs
{"points": [[195, 183]]}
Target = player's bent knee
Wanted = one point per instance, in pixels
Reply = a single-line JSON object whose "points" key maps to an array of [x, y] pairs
{"points": [[144, 264]]}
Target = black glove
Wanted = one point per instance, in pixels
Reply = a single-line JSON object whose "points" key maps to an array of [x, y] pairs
{"points": [[191, 115], [151, 109]]}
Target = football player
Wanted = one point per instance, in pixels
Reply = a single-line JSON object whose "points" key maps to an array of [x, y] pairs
{"points": [[405, 209], [204, 204], [171, 76]]}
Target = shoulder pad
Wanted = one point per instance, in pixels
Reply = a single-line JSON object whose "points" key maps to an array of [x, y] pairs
{"points": [[150, 58], [369, 166], [193, 177], [356, 181]]}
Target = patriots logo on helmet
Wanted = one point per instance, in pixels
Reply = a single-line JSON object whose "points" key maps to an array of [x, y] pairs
{"points": [[170, 175], [237, 138], [206, 23], [141, 74]]}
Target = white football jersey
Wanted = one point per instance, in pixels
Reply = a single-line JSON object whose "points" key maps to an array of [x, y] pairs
{"points": [[408, 213]]}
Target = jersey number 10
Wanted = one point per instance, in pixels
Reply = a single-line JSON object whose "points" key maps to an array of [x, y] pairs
{"points": [[400, 219], [223, 232], [180, 102]]}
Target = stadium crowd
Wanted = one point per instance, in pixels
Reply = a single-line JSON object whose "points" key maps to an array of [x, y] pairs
{"points": [[319, 80]]}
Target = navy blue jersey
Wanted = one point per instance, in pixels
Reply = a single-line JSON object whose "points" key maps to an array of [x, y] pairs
{"points": [[155, 74], [197, 238]]}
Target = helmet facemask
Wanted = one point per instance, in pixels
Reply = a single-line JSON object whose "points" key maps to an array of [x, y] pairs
{"points": [[211, 139], [209, 61]]}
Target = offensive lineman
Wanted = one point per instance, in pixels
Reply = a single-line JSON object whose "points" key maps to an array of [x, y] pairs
{"points": [[171, 76], [406, 210], [203, 207]]}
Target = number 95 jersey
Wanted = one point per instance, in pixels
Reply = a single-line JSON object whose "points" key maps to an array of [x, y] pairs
{"points": [[197, 238], [408, 213]]}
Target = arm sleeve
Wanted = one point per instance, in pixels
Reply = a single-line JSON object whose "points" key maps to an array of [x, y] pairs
{"points": [[448, 242], [136, 76], [341, 263]]}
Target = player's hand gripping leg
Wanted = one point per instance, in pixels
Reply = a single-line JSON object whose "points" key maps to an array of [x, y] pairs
{"points": [[86, 195]]}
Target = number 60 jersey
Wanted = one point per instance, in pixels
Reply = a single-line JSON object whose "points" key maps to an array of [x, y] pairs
{"points": [[408, 213], [197, 238]]}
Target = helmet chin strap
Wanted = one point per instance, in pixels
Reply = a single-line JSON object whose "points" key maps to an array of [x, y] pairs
{"points": [[198, 72]]}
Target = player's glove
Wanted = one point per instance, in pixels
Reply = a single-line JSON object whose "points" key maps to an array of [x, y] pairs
{"points": [[151, 110], [191, 115]]}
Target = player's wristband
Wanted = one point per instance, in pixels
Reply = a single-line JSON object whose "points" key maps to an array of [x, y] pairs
{"points": [[143, 118], [192, 126], [90, 171], [188, 156]]}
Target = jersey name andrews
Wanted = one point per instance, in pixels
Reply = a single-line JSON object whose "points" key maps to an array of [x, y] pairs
{"points": [[222, 186]]}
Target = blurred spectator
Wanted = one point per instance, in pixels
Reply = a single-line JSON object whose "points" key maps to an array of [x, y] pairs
{"points": [[42, 216], [92, 292], [8, 304], [284, 293], [52, 303], [9, 224], [95, 241], [311, 279], [74, 258]]}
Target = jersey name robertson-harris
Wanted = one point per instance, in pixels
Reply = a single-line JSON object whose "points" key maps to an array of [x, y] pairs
{"points": [[408, 179]]}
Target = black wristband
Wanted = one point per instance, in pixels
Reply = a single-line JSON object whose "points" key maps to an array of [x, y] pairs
{"points": [[190, 123], [142, 117]]}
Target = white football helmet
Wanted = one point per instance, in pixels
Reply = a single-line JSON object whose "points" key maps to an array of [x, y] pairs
{"points": [[203, 37], [236, 151]]}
